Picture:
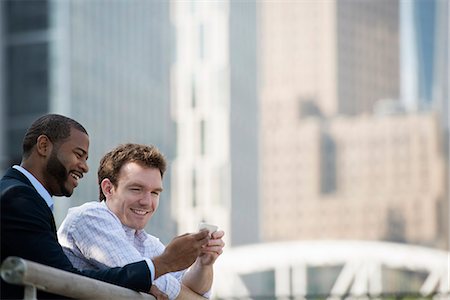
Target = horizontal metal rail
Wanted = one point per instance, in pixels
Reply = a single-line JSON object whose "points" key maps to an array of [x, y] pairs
{"points": [[16, 270]]}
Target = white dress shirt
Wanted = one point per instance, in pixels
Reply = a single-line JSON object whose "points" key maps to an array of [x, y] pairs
{"points": [[93, 237]]}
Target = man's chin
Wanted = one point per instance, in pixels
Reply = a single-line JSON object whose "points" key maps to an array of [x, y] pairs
{"points": [[68, 193], [138, 226], [65, 193]]}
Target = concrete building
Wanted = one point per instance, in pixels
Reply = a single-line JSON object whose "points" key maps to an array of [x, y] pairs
{"points": [[441, 84], [3, 120], [244, 123], [26, 70], [341, 55], [331, 169], [201, 109], [419, 40], [366, 177], [215, 107]]}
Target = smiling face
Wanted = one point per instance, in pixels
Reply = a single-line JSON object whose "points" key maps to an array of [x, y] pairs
{"points": [[136, 197], [67, 163]]}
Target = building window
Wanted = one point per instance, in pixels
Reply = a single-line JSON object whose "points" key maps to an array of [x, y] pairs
{"points": [[193, 94], [201, 42], [26, 15], [328, 180], [194, 188], [27, 66], [202, 137]]}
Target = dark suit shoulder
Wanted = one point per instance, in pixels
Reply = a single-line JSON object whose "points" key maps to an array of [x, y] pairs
{"points": [[11, 185], [16, 191], [16, 195], [13, 178]]}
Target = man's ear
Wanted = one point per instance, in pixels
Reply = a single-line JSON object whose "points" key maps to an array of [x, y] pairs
{"points": [[107, 187], [43, 145]]}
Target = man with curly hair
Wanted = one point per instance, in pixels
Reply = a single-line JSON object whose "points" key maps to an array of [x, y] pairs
{"points": [[111, 232]]}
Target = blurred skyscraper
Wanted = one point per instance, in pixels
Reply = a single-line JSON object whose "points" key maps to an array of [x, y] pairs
{"points": [[441, 91], [25, 48], [327, 170], [419, 41], [104, 64], [215, 109], [244, 123], [425, 66], [340, 56], [3, 121], [424, 28], [200, 101], [441, 63]]}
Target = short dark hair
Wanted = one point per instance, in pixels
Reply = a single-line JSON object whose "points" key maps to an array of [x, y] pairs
{"points": [[55, 127], [113, 161]]}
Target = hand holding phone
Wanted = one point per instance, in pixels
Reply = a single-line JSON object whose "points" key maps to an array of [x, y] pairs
{"points": [[211, 228]]}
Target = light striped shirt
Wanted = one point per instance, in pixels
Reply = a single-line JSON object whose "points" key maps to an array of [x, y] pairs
{"points": [[93, 237]]}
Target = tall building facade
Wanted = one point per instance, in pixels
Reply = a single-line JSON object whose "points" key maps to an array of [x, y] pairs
{"points": [[425, 65], [26, 38], [105, 65], [329, 170], [420, 34], [441, 89], [201, 109], [215, 106], [366, 177], [342, 56], [3, 120], [441, 63], [244, 123]]}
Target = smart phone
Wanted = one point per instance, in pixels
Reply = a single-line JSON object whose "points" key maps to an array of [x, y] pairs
{"points": [[211, 228]]}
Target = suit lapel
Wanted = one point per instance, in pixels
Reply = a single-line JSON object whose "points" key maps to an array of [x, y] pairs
{"points": [[15, 174]]}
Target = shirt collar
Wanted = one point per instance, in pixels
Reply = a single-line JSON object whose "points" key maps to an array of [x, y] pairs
{"points": [[37, 185], [133, 232], [128, 230]]}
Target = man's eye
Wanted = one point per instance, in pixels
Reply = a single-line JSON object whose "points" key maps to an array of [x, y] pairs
{"points": [[155, 193]]}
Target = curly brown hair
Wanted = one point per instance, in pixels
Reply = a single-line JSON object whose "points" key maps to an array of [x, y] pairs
{"points": [[112, 162]]}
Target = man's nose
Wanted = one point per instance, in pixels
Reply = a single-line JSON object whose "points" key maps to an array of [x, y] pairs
{"points": [[84, 166], [147, 199]]}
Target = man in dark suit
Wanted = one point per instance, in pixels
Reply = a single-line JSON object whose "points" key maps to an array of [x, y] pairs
{"points": [[55, 152]]}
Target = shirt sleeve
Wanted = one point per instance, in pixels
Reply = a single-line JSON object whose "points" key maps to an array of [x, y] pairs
{"points": [[151, 266], [100, 238], [172, 284], [169, 283]]}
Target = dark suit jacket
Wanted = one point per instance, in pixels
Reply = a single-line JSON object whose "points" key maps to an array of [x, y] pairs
{"points": [[28, 230]]}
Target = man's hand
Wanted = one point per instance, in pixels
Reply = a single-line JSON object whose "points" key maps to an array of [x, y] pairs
{"points": [[213, 249], [157, 293], [180, 253], [188, 294], [200, 276]]}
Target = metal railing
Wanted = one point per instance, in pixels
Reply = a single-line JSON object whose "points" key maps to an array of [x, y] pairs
{"points": [[16, 270]]}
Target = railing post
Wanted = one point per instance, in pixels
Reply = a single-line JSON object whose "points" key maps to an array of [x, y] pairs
{"points": [[30, 293]]}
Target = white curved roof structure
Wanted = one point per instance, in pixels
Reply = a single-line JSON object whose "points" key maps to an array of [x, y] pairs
{"points": [[361, 260]]}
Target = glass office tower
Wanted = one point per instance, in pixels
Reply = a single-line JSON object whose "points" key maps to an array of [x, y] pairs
{"points": [[105, 65]]}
